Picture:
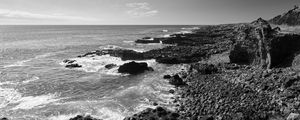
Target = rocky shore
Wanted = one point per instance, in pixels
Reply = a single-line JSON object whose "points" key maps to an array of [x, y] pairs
{"points": [[247, 71], [244, 71]]}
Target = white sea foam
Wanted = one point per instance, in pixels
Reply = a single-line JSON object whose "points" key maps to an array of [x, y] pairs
{"points": [[184, 32], [108, 114], [8, 83], [114, 47], [8, 95], [110, 47], [23, 62], [34, 78], [18, 64], [63, 117], [30, 102], [142, 107], [127, 41], [191, 28], [166, 36]]}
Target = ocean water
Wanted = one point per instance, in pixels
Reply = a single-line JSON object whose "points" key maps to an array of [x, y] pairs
{"points": [[34, 85]]}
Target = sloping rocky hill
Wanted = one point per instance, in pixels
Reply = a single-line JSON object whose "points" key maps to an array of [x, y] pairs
{"points": [[292, 17]]}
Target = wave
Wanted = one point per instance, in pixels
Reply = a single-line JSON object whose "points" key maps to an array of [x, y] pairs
{"points": [[108, 114], [8, 95], [106, 109], [115, 47], [23, 62], [34, 78], [17, 64], [191, 28], [184, 32], [30, 102], [127, 41]]}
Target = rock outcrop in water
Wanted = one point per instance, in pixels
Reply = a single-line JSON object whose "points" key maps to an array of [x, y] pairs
{"points": [[79, 117], [134, 68], [292, 18]]}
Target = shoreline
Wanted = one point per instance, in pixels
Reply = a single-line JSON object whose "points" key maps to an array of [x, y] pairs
{"points": [[233, 72]]}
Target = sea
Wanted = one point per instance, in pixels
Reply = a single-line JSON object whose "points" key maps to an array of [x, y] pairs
{"points": [[35, 85]]}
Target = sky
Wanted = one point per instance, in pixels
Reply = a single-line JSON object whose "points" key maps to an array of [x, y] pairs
{"points": [[139, 12]]}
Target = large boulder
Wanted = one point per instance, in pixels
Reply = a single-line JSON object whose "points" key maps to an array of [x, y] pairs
{"points": [[252, 44], [134, 68], [176, 80], [258, 44]]}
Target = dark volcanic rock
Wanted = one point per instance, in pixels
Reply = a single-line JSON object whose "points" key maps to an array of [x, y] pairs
{"points": [[69, 61], [133, 68], [4, 118], [158, 113], [79, 117], [204, 68], [292, 17], [252, 44], [124, 54], [283, 50], [167, 76], [258, 44], [110, 66], [176, 80], [73, 65]]}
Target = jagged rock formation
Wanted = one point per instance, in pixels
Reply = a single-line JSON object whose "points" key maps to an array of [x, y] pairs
{"points": [[292, 17], [252, 45], [258, 44]]}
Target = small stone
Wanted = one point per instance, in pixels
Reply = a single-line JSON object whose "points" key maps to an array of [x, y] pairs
{"points": [[172, 91]]}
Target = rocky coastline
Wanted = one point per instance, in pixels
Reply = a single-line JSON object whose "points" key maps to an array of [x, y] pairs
{"points": [[236, 72], [247, 71]]}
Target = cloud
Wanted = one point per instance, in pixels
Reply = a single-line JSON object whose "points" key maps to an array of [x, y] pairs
{"points": [[16, 14], [140, 10]]}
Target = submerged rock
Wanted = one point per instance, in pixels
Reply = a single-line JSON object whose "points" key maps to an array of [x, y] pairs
{"points": [[110, 66], [147, 40], [159, 113], [134, 68], [80, 117], [73, 65]]}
